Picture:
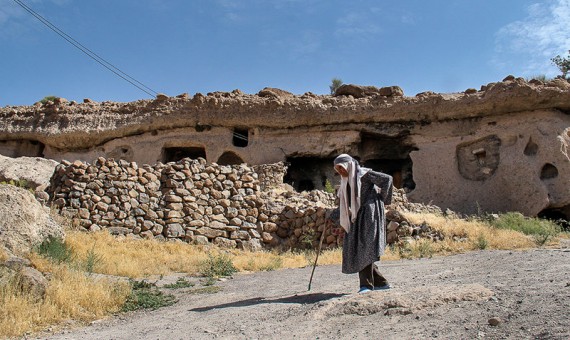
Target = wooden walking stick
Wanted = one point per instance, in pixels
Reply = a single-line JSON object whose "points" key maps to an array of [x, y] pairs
{"points": [[318, 252]]}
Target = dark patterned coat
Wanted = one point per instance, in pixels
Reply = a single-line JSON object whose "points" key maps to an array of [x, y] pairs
{"points": [[366, 240]]}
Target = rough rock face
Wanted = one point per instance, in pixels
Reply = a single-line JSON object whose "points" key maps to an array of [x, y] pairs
{"points": [[358, 91], [25, 222], [499, 148], [35, 171]]}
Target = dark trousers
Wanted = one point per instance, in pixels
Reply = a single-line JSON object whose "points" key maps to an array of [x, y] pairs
{"points": [[370, 277]]}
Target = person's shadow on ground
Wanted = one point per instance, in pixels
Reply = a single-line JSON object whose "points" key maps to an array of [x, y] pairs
{"points": [[300, 299]]}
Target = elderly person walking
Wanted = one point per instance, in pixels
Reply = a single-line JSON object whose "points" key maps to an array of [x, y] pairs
{"points": [[362, 194]]}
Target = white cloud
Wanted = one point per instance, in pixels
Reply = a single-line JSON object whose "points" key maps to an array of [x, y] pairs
{"points": [[356, 24], [9, 10], [11, 14], [232, 11], [544, 33], [408, 19]]}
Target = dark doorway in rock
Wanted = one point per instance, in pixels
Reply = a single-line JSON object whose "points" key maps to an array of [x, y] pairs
{"points": [[309, 173], [240, 137], [174, 154], [560, 216], [229, 158], [22, 148], [399, 169], [390, 155]]}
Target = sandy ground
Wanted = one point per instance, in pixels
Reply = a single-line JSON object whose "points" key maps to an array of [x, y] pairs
{"points": [[457, 297]]}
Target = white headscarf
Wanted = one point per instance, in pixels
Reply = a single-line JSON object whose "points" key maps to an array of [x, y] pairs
{"points": [[349, 201]]}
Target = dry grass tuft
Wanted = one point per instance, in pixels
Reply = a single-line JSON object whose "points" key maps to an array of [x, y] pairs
{"points": [[473, 233], [3, 255], [136, 258], [256, 261], [70, 295], [330, 256]]}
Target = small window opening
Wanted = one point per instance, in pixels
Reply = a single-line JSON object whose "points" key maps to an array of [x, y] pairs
{"points": [[548, 171], [240, 138], [531, 148]]}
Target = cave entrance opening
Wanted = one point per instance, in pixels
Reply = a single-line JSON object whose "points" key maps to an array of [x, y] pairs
{"points": [[310, 173], [22, 148], [230, 158], [560, 216], [174, 154], [390, 155]]}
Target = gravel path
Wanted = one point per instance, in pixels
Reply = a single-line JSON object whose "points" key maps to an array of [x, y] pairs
{"points": [[527, 293]]}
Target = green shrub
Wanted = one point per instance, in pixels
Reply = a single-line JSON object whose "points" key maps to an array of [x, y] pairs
{"points": [[205, 290], [48, 99], [217, 266], [541, 230], [21, 183], [424, 249], [180, 283], [542, 77], [56, 250], [306, 239], [146, 295], [329, 187], [482, 242], [335, 84], [92, 260]]}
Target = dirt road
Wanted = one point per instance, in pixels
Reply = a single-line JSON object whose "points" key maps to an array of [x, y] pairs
{"points": [[527, 293]]}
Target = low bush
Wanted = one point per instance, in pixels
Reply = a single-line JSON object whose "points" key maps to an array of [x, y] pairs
{"points": [[540, 229], [145, 295], [482, 242], [180, 283], [216, 266], [56, 250]]}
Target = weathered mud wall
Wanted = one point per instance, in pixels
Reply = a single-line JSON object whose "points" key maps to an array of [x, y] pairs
{"points": [[501, 163], [495, 149]]}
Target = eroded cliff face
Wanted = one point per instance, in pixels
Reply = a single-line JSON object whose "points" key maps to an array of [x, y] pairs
{"points": [[497, 149]]}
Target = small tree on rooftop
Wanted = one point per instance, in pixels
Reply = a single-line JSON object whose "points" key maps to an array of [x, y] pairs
{"points": [[335, 84], [563, 64], [48, 99]]}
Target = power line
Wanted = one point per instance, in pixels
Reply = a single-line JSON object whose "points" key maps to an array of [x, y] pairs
{"points": [[88, 52]]}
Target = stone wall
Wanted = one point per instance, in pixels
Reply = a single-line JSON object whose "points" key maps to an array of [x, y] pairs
{"points": [[270, 175], [192, 201], [235, 206]]}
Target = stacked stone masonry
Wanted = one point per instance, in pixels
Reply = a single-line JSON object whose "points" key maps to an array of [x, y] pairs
{"points": [[201, 203]]}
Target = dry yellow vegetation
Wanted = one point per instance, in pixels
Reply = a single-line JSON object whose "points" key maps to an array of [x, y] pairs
{"points": [[74, 294], [3, 255], [463, 235], [71, 295], [135, 258]]}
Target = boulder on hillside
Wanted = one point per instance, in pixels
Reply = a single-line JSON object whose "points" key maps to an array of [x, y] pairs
{"points": [[357, 91], [36, 171], [28, 280], [25, 222], [274, 93]]}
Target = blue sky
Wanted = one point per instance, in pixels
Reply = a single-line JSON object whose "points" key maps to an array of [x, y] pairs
{"points": [[175, 46]]}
